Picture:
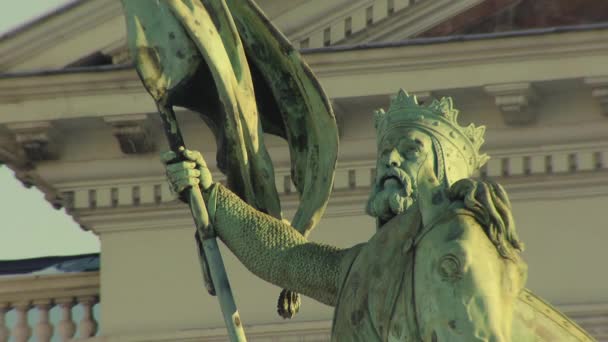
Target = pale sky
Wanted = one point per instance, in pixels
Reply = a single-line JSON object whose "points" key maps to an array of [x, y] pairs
{"points": [[30, 226]]}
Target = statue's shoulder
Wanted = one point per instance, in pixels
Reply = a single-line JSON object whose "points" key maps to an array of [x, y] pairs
{"points": [[488, 203]]}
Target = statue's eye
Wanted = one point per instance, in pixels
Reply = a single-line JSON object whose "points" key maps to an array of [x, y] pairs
{"points": [[410, 151], [407, 147], [385, 154]]}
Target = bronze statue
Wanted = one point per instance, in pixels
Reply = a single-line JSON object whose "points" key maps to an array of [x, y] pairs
{"points": [[444, 264]]}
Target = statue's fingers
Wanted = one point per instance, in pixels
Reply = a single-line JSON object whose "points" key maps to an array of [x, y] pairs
{"points": [[167, 156], [184, 183], [179, 174], [205, 173], [186, 165], [195, 156]]}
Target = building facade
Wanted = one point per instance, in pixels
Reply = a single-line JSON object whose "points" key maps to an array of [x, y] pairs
{"points": [[76, 123]]}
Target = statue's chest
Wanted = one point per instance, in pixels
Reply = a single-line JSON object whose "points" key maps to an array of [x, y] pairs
{"points": [[373, 303]]}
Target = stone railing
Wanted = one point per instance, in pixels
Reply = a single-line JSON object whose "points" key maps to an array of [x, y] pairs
{"points": [[44, 307], [346, 22]]}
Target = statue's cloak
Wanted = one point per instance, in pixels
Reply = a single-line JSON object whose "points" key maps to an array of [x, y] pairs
{"points": [[389, 294]]}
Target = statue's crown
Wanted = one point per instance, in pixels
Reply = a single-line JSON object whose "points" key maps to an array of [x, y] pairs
{"points": [[439, 119]]}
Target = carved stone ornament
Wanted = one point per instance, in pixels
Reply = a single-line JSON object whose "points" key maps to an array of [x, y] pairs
{"points": [[37, 139], [516, 101], [132, 134], [599, 91]]}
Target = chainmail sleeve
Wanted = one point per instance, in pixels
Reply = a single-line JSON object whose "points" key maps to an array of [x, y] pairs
{"points": [[276, 252]]}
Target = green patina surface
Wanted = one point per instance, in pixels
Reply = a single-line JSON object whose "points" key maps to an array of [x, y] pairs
{"points": [[445, 263]]}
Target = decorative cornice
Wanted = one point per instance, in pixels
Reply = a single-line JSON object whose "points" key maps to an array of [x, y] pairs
{"points": [[15, 158], [599, 90], [80, 83], [11, 153], [38, 139], [132, 133], [333, 17], [516, 101], [410, 21], [419, 64], [374, 20], [343, 21], [420, 67], [553, 172]]}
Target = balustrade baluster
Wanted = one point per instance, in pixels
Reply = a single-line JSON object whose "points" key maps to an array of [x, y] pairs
{"points": [[44, 329], [66, 327], [88, 325], [4, 331], [22, 330]]}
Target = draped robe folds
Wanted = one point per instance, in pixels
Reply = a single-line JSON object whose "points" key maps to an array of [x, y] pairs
{"points": [[445, 282]]}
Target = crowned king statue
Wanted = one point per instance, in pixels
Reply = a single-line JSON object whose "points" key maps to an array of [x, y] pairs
{"points": [[444, 263]]}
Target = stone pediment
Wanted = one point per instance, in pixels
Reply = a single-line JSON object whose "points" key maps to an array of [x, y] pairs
{"points": [[92, 32]]}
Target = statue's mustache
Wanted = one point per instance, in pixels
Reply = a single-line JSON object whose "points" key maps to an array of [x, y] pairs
{"points": [[398, 174]]}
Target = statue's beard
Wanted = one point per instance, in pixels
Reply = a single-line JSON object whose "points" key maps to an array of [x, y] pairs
{"points": [[391, 195]]}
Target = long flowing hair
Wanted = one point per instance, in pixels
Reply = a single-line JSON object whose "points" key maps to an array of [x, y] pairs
{"points": [[489, 203]]}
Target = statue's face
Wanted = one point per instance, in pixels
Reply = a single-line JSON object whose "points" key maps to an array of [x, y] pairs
{"points": [[401, 156]]}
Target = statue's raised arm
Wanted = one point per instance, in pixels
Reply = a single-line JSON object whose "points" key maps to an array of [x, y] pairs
{"points": [[270, 248], [225, 61]]}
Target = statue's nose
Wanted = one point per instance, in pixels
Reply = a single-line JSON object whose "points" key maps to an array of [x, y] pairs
{"points": [[394, 159]]}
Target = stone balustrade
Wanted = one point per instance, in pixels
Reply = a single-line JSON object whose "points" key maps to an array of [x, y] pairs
{"points": [[44, 307]]}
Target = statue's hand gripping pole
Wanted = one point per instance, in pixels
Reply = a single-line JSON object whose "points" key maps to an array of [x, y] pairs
{"points": [[212, 264]]}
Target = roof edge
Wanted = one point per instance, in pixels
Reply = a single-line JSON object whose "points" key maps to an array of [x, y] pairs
{"points": [[64, 71], [346, 48], [40, 19], [460, 38]]}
